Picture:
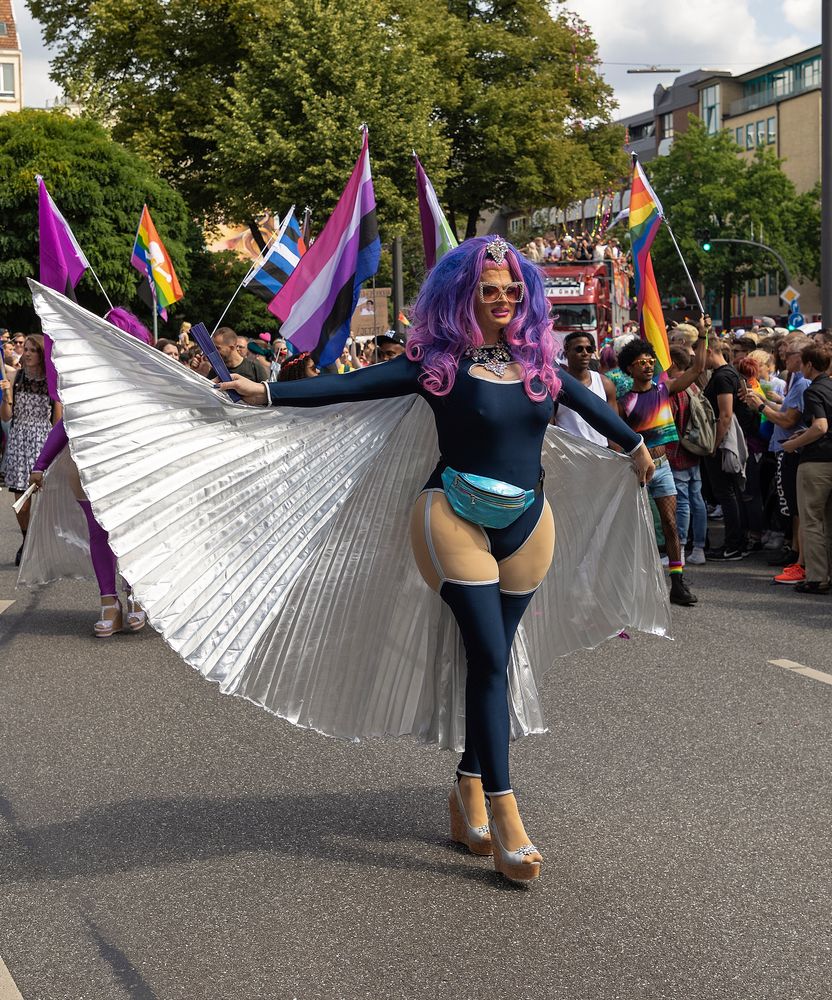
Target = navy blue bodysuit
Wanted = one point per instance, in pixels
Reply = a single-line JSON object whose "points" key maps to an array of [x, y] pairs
{"points": [[484, 427], [494, 429]]}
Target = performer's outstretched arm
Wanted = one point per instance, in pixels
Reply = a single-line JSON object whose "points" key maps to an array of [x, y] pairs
{"points": [[597, 413], [398, 377]]}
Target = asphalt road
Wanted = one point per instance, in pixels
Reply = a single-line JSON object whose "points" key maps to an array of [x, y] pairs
{"points": [[160, 840]]}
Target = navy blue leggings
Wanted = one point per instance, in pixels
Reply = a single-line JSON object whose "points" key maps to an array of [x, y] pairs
{"points": [[487, 621]]}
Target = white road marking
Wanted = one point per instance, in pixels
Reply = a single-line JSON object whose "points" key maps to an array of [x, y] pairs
{"points": [[8, 991], [798, 668], [4, 606]]}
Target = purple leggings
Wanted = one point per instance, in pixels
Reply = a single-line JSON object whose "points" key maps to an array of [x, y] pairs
{"points": [[103, 560]]}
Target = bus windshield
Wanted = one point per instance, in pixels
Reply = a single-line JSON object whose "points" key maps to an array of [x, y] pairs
{"points": [[574, 316]]}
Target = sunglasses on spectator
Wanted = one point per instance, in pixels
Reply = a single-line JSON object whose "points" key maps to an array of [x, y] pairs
{"points": [[19, 343], [644, 361], [582, 350], [513, 292]]}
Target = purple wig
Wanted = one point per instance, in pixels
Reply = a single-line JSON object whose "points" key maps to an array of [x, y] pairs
{"points": [[444, 323], [131, 324]]}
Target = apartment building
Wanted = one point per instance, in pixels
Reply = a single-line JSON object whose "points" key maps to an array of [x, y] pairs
{"points": [[778, 107], [11, 61]]}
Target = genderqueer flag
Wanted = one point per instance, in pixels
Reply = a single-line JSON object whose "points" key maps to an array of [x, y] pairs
{"points": [[436, 233], [317, 301]]}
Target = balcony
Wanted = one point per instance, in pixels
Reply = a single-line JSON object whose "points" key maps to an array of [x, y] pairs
{"points": [[767, 97]]}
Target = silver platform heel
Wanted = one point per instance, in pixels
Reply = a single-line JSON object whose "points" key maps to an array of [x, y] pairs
{"points": [[512, 864], [476, 838]]}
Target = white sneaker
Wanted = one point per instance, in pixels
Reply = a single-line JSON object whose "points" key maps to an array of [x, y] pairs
{"points": [[697, 557], [774, 541]]}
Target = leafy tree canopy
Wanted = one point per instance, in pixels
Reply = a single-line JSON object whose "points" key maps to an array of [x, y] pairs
{"points": [[99, 187], [245, 106]]}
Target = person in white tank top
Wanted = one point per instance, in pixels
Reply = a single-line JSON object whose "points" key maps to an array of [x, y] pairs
{"points": [[578, 349]]}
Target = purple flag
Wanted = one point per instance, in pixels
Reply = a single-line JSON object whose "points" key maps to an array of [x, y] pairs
{"points": [[62, 261], [318, 299], [62, 265]]}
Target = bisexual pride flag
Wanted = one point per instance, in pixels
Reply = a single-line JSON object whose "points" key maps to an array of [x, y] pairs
{"points": [[646, 216], [151, 259], [319, 297], [281, 258], [437, 236]]}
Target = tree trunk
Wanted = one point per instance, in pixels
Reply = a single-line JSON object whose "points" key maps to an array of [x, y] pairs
{"points": [[727, 294], [471, 223], [256, 234]]}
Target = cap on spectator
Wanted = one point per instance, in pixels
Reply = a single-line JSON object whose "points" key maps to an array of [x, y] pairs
{"points": [[390, 337], [255, 347]]}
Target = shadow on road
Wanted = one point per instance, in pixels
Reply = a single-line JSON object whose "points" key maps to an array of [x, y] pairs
{"points": [[363, 828]]}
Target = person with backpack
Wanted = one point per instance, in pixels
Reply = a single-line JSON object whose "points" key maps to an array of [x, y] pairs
{"points": [[696, 427], [646, 408]]}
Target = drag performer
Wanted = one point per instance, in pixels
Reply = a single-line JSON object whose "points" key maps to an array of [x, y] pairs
{"points": [[482, 356], [114, 618], [264, 534], [27, 404]]}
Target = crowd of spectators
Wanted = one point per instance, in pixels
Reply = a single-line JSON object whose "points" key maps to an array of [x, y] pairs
{"points": [[768, 478], [581, 247]]}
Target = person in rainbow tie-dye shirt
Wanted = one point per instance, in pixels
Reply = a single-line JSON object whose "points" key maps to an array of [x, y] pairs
{"points": [[646, 408]]}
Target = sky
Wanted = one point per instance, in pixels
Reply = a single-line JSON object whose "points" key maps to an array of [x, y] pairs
{"points": [[735, 35]]}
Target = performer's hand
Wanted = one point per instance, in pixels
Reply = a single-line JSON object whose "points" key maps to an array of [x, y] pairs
{"points": [[252, 392], [645, 466], [36, 479], [5, 384]]}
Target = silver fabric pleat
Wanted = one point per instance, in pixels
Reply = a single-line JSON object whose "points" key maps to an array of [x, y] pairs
{"points": [[270, 546], [57, 541]]}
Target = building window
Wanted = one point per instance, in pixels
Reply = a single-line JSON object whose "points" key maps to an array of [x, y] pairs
{"points": [[749, 135], [518, 225], [772, 131], [667, 126], [761, 133], [773, 283], [740, 137], [811, 73], [4, 29], [761, 286], [783, 81], [709, 103], [6, 79], [751, 287]]}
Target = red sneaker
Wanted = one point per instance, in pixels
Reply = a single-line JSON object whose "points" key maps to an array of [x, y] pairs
{"points": [[791, 574]]}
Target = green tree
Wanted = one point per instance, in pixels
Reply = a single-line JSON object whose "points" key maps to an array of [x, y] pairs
{"points": [[530, 122], [154, 71], [99, 187], [704, 185], [289, 130]]}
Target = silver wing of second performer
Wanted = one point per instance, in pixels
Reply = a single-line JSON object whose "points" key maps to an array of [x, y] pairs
{"points": [[270, 549]]}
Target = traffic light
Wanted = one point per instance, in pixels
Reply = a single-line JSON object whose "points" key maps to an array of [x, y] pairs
{"points": [[703, 237]]}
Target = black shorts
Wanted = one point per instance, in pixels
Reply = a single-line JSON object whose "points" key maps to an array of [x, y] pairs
{"points": [[786, 483]]}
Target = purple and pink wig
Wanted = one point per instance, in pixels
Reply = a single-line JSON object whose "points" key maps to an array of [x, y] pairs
{"points": [[445, 325]]}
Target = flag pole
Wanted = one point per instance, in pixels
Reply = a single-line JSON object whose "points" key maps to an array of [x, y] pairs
{"points": [[275, 237], [685, 266], [106, 296]]}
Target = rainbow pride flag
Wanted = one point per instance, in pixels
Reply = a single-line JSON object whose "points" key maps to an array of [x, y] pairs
{"points": [[150, 259], [646, 216]]}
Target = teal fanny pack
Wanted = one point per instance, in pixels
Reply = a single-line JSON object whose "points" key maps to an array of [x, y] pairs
{"points": [[488, 502]]}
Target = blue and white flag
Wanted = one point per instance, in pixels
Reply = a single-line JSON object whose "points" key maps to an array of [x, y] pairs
{"points": [[281, 259]]}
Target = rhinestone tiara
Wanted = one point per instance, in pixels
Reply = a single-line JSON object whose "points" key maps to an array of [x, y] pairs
{"points": [[497, 249]]}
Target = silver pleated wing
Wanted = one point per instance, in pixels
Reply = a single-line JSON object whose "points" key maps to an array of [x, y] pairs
{"points": [[270, 547]]}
